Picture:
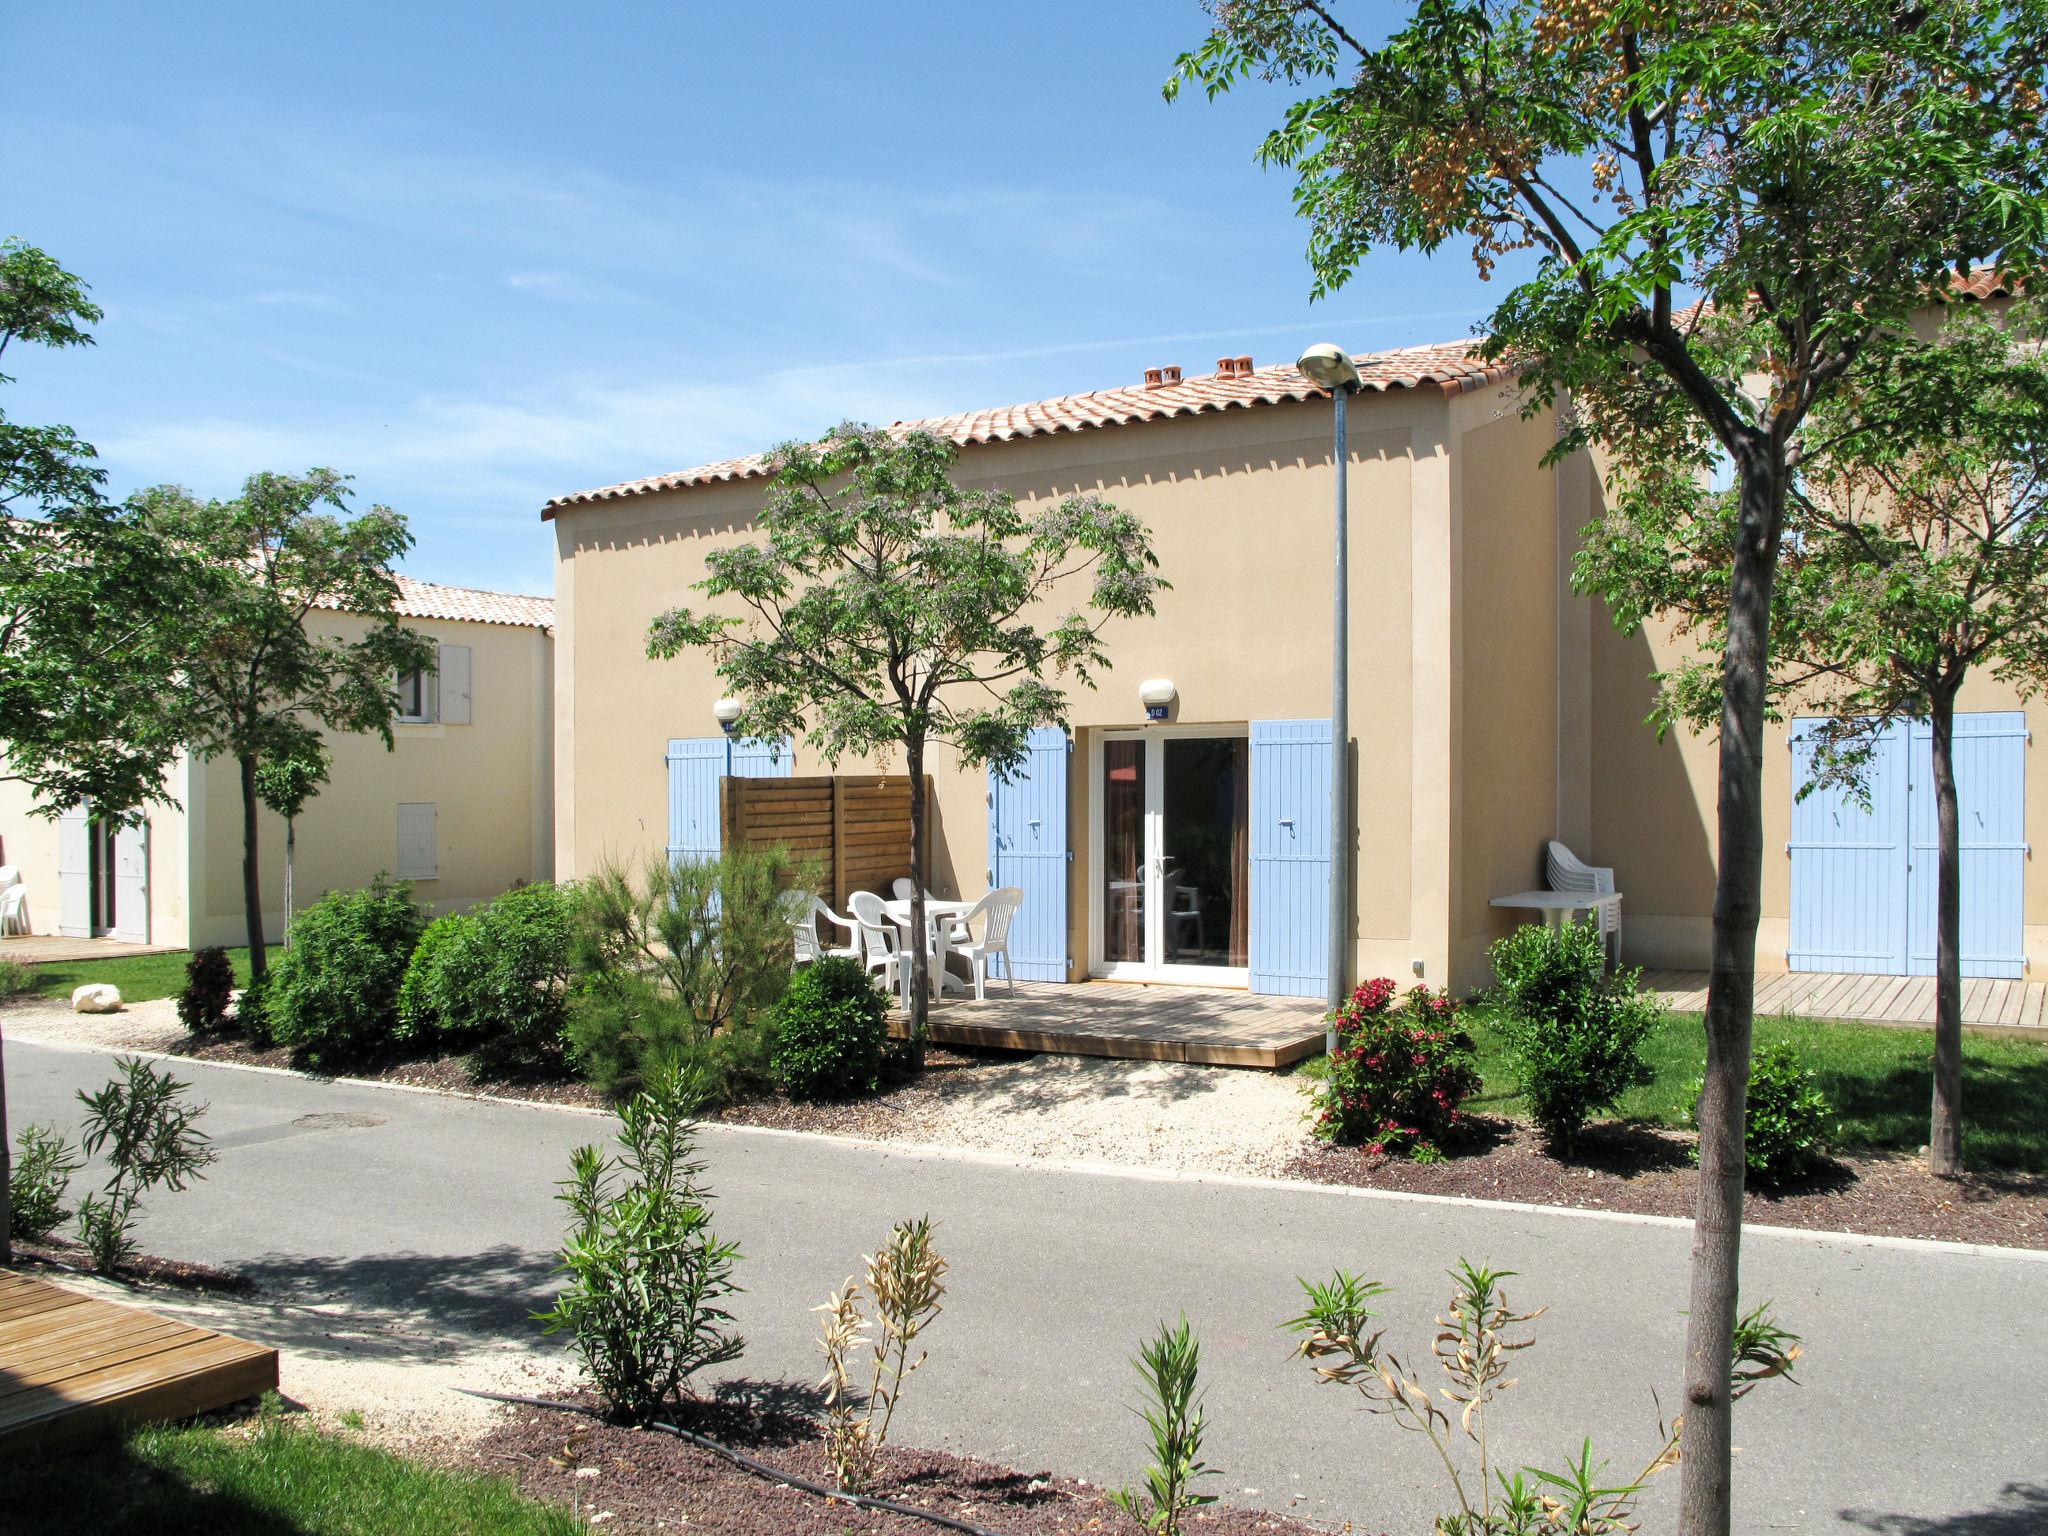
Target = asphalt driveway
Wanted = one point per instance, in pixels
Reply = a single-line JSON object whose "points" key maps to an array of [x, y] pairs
{"points": [[1917, 1413]]}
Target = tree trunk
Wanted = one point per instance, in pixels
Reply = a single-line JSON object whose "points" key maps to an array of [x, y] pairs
{"points": [[920, 958], [1945, 1127], [1706, 1469], [6, 1170], [291, 845], [252, 875]]}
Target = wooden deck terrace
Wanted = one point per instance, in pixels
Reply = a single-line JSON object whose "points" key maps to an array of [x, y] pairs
{"points": [[1132, 1022], [74, 1368]]}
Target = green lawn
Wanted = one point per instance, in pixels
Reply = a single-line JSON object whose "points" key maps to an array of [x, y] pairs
{"points": [[140, 977], [1878, 1078], [272, 1478]]}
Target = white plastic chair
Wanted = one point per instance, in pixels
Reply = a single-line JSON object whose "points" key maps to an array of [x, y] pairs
{"points": [[803, 911], [1566, 871], [14, 907], [878, 940], [997, 910]]}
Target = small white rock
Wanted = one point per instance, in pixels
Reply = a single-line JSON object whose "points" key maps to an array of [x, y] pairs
{"points": [[96, 997]]}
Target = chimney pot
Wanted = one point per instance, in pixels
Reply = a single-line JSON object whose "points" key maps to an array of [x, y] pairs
{"points": [[1170, 374], [1226, 367], [1152, 378], [1244, 364]]}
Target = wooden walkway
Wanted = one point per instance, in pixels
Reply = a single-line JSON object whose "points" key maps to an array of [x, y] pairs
{"points": [[73, 1367], [2000, 1005], [1132, 1022], [38, 948]]}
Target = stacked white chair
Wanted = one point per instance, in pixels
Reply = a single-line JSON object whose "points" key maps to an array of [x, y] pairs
{"points": [[1567, 872], [803, 911], [13, 901]]}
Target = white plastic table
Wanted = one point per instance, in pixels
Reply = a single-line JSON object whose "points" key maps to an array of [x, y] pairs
{"points": [[935, 912], [1556, 906]]}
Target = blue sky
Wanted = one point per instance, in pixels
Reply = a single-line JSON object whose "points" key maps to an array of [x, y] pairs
{"points": [[479, 255]]}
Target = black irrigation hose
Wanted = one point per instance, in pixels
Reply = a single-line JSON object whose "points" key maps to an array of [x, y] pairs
{"points": [[758, 1468]]}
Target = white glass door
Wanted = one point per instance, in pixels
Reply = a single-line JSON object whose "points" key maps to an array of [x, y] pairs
{"points": [[1171, 855]]}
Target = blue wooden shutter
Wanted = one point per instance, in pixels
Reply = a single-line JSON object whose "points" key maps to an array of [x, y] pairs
{"points": [[1849, 864], [1991, 805], [695, 765], [1027, 848], [1290, 859]]}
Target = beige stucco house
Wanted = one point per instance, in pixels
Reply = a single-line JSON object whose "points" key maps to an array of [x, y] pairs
{"points": [[462, 805], [1491, 708]]}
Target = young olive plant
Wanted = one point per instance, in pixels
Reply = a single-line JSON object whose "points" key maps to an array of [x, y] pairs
{"points": [[906, 1277], [1474, 1343], [648, 1279], [144, 1124], [1168, 1365], [39, 1179]]}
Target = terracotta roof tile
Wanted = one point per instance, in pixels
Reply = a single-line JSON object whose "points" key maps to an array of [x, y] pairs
{"points": [[432, 600], [1453, 366]]}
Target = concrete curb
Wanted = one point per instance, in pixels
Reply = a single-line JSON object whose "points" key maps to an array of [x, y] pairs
{"points": [[987, 1158]]}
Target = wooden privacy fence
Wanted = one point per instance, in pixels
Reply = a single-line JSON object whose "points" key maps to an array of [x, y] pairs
{"points": [[856, 828]]}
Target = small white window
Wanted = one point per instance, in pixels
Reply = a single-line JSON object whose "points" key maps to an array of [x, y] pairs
{"points": [[415, 698], [419, 853]]}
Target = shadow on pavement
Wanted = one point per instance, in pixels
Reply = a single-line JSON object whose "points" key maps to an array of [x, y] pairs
{"points": [[2021, 1510]]}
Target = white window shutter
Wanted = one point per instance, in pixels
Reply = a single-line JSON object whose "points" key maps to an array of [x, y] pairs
{"points": [[74, 872], [418, 842], [455, 684]]}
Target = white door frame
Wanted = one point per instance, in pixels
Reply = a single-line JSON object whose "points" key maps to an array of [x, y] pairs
{"points": [[1152, 863]]}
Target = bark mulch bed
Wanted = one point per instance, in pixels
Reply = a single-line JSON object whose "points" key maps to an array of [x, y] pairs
{"points": [[897, 1111], [1647, 1170], [643, 1480], [64, 1256], [447, 1074]]}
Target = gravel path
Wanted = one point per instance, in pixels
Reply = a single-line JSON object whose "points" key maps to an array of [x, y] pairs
{"points": [[1152, 1113], [150, 1026]]}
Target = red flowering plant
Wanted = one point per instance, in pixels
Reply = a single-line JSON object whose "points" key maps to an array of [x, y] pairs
{"points": [[1401, 1069]]}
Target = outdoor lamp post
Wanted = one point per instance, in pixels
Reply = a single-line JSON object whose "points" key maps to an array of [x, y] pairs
{"points": [[1328, 366], [727, 713]]}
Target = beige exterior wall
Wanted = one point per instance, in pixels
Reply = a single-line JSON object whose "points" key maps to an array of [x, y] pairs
{"points": [[1446, 533], [491, 782], [1508, 701], [1654, 819]]}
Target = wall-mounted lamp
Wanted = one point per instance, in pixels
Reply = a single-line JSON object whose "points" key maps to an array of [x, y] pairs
{"points": [[727, 713], [1156, 694]]}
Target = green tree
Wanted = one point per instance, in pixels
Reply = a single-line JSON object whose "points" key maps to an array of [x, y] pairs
{"points": [[285, 781], [87, 617], [1916, 554], [1807, 168], [87, 603], [888, 608], [259, 677]]}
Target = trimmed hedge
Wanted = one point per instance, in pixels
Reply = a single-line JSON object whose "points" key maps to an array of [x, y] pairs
{"points": [[831, 1027], [333, 996]]}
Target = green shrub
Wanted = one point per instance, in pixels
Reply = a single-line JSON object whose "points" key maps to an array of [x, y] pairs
{"points": [[678, 968], [1169, 1368], [1575, 1033], [209, 988], [647, 1279], [252, 1015], [1789, 1117], [38, 1180], [16, 979], [830, 1030], [1400, 1071], [498, 980], [144, 1125], [333, 997], [419, 1011]]}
